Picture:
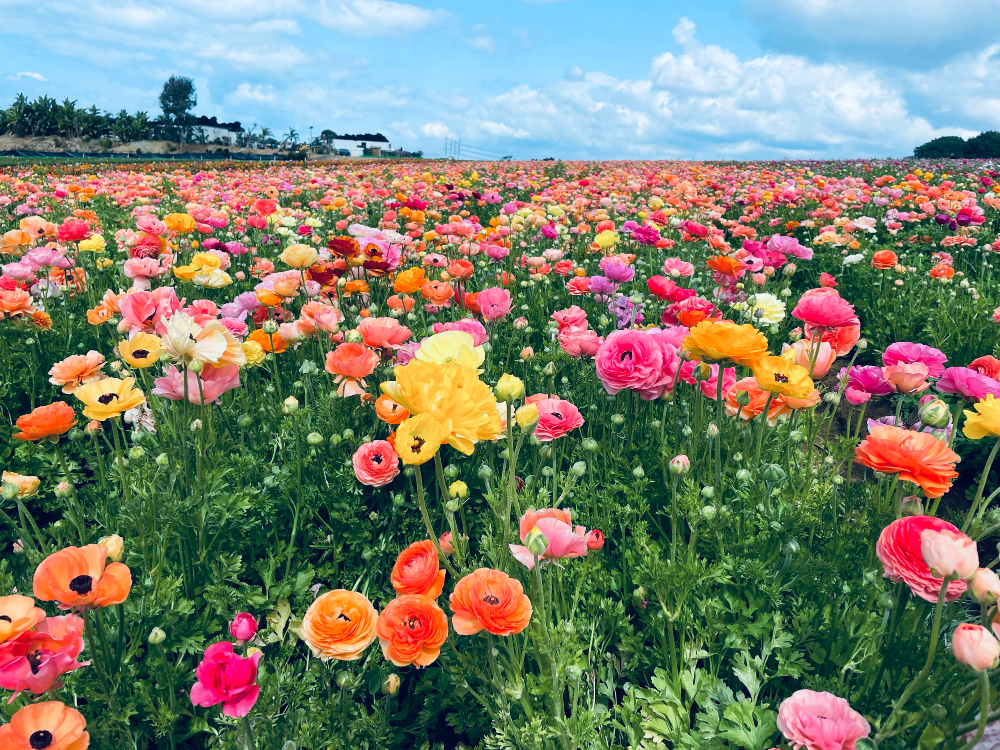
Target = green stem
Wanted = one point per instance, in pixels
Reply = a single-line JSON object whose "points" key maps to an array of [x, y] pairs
{"points": [[429, 525]]}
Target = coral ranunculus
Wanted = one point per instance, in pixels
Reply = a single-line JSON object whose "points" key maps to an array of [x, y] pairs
{"points": [[339, 624], [489, 600], [46, 421], [18, 614], [79, 577], [45, 725], [223, 677], [722, 340], [916, 457], [416, 571], [556, 418], [900, 548], [383, 333], [411, 630], [37, 659], [76, 370], [350, 364], [375, 463]]}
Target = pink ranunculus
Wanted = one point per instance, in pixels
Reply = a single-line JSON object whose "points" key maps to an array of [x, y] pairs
{"points": [[223, 677], [803, 349], [243, 627], [73, 230], [494, 302], [820, 721], [579, 342], [863, 383], [949, 552], [905, 352], [235, 326], [907, 378], [789, 246], [637, 360], [215, 381], [675, 267], [825, 308], [966, 382], [376, 463], [826, 280], [595, 539], [150, 225], [899, 547], [470, 326], [35, 660], [383, 333], [975, 645], [710, 386], [571, 317], [531, 516], [556, 417], [141, 270], [564, 542]]}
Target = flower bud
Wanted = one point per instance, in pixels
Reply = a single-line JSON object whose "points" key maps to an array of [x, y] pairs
{"points": [[243, 627], [774, 474], [63, 489], [484, 472], [527, 353], [343, 679], [934, 413], [574, 673], [702, 372], [314, 438], [638, 472], [617, 419], [115, 546], [791, 547], [911, 505], [136, 452], [862, 344], [949, 553], [974, 645], [985, 586], [291, 405], [458, 490], [832, 398], [549, 369], [196, 366], [743, 398], [680, 465], [885, 600], [709, 512], [712, 431], [590, 445], [452, 506], [10, 491], [708, 492], [156, 636], [527, 417], [244, 421], [578, 469], [536, 541], [743, 475], [510, 388], [390, 685]]}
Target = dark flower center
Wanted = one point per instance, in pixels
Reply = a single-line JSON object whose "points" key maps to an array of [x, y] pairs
{"points": [[557, 415], [82, 585], [344, 617], [418, 444], [412, 622], [105, 398], [5, 618], [140, 353], [376, 459], [621, 357], [779, 378], [491, 599], [40, 739], [34, 661]]}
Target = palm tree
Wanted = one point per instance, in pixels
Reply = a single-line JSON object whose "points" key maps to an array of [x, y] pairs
{"points": [[291, 137]]}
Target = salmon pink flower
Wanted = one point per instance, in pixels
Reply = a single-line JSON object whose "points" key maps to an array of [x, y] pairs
{"points": [[820, 721], [350, 364], [564, 542], [37, 659], [825, 308], [376, 463], [975, 646], [383, 333], [556, 418]]}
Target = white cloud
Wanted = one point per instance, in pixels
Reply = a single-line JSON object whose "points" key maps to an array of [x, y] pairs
{"points": [[484, 43], [246, 93], [365, 18], [435, 130], [29, 74], [499, 129]]}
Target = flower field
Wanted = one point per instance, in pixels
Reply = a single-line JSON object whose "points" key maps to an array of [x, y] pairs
{"points": [[509, 455]]}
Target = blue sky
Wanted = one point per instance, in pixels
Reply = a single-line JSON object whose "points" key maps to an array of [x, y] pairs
{"points": [[716, 79]]}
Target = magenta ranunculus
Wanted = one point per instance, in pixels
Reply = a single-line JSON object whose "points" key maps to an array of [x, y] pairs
{"points": [[556, 417], [642, 361], [967, 383], [470, 326], [243, 627], [863, 383], [820, 721], [905, 353], [223, 677], [494, 302]]}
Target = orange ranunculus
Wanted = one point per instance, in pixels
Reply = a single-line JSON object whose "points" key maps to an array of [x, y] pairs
{"points": [[719, 341], [437, 292], [351, 363], [264, 340], [411, 630], [76, 370], [758, 397], [416, 571], [489, 600], [50, 725], [46, 421], [884, 260], [389, 411], [461, 269], [100, 314], [339, 625], [268, 298], [409, 281], [42, 319], [77, 577], [470, 302], [18, 614], [405, 303], [355, 285], [14, 303], [725, 265], [941, 271], [180, 223], [916, 457]]}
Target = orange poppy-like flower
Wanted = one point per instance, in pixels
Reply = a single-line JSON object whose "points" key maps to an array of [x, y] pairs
{"points": [[489, 600], [18, 614], [411, 630], [884, 260], [357, 285], [942, 271], [77, 577], [180, 223], [351, 363], [416, 571], [76, 370], [264, 340], [396, 302], [344, 247], [42, 319], [722, 340], [14, 303], [916, 457], [758, 397], [409, 281], [389, 411], [51, 725], [461, 269], [725, 265], [46, 421], [268, 298], [99, 315], [339, 624], [437, 292]]}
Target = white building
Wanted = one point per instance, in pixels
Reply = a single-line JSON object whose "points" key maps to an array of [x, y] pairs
{"points": [[364, 144], [224, 132]]}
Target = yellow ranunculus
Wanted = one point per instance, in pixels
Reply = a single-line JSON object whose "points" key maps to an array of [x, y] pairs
{"points": [[452, 347], [721, 340], [94, 244], [509, 388], [26, 485], [419, 438], [299, 256], [985, 420], [526, 416], [606, 239], [778, 375], [180, 223], [254, 353], [199, 262], [141, 351], [109, 397]]}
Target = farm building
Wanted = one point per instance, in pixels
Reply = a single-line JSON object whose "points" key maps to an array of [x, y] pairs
{"points": [[364, 144]]}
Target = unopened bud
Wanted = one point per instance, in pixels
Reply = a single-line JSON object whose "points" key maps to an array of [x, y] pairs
{"points": [[712, 431], [709, 512], [911, 505], [590, 445], [390, 685], [579, 468], [269, 327], [638, 472], [458, 490], [196, 366], [536, 541], [291, 405], [156, 636], [934, 413], [708, 492], [314, 438], [680, 465]]}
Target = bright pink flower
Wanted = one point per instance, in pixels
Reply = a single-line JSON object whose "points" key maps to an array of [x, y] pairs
{"points": [[556, 417], [863, 383], [215, 381], [494, 303], [820, 721], [73, 230], [571, 317], [579, 342], [383, 333], [595, 539], [224, 677], [564, 542], [825, 308], [899, 547], [35, 660], [243, 627], [904, 353], [639, 360], [470, 326], [150, 225], [966, 382], [530, 518], [376, 463]]}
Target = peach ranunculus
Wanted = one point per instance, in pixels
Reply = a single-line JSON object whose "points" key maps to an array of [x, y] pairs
{"points": [[948, 552], [26, 484], [437, 292], [801, 353], [14, 303], [339, 624], [80, 577], [416, 571], [376, 463], [975, 645], [389, 411], [383, 333], [18, 614], [76, 370], [489, 600], [350, 363], [411, 630], [907, 377], [48, 421], [916, 457], [758, 398], [59, 726], [264, 340]]}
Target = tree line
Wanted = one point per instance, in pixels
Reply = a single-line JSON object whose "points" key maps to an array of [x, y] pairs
{"points": [[983, 146]]}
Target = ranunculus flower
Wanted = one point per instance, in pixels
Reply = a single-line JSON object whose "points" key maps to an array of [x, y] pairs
{"points": [[351, 363], [577, 342], [904, 352], [899, 547], [556, 417], [376, 463], [723, 340], [36, 659], [820, 721], [968, 383], [948, 553], [863, 383], [243, 627], [489, 600], [383, 333], [987, 365], [339, 624], [416, 571], [80, 577], [494, 303], [223, 677], [825, 308], [52, 722], [975, 646], [908, 377], [985, 586], [411, 630], [46, 421], [642, 361], [916, 457], [563, 542]]}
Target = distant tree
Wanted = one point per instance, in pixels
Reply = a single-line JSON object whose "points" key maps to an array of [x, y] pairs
{"points": [[984, 146], [946, 147], [327, 136], [177, 99], [291, 137]]}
